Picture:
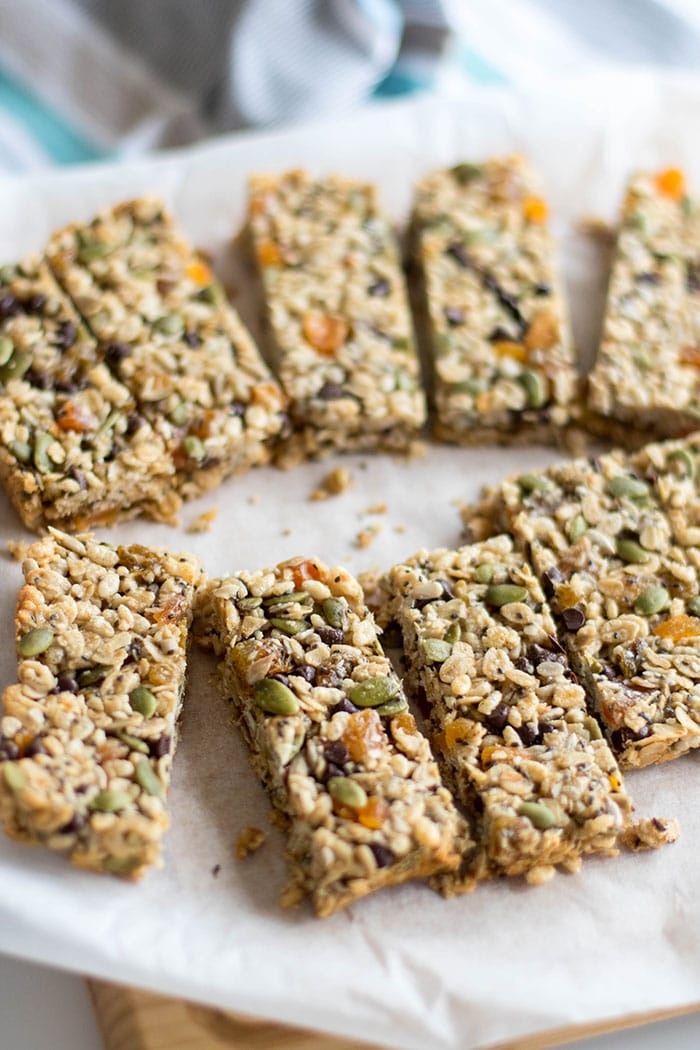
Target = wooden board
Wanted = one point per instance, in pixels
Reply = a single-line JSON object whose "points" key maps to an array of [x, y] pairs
{"points": [[131, 1019]]}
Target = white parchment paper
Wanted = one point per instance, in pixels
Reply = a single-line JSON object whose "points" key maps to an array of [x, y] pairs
{"points": [[403, 968]]}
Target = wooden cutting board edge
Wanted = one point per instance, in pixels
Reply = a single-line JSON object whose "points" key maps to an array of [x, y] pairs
{"points": [[133, 1019]]}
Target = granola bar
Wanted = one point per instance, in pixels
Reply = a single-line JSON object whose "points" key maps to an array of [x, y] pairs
{"points": [[337, 312], [73, 449], [88, 732], [502, 357], [646, 380], [609, 539], [167, 332], [506, 716], [329, 732]]}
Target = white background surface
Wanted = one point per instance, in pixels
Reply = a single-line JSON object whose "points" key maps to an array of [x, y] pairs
{"points": [[402, 967]]}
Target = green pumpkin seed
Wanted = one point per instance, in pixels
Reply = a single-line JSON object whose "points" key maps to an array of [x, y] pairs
{"points": [[291, 627], [194, 447], [374, 691], [694, 606], [7, 348], [15, 367], [170, 324], [108, 422], [148, 779], [538, 814], [14, 775], [453, 633], [577, 528], [90, 249], [178, 415], [284, 599], [8, 273], [685, 460], [249, 603], [500, 594], [469, 386], [119, 865], [35, 642], [110, 801], [348, 792], [143, 701], [465, 173], [392, 707], [535, 388], [533, 483], [484, 573], [132, 742], [274, 698], [436, 650], [212, 294], [92, 675], [625, 487], [21, 450], [631, 551], [591, 724], [652, 600], [403, 380], [42, 444], [334, 611]]}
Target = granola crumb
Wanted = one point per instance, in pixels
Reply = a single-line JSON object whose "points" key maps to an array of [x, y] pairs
{"points": [[292, 896], [542, 873], [215, 870], [417, 450], [365, 536], [203, 522], [333, 484], [377, 508], [596, 228], [286, 532], [17, 549], [252, 500], [400, 529], [248, 841], [651, 833]]}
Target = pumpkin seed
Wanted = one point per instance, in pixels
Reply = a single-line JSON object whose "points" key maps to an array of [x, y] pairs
{"points": [[334, 611], [374, 691], [577, 528], [143, 701], [694, 605], [469, 386], [251, 602], [684, 459], [92, 249], [291, 627], [466, 172], [14, 775], [484, 573], [21, 450], [131, 741], [42, 444], [392, 707], [35, 642], [212, 294], [533, 483], [119, 865], [403, 380], [591, 724], [194, 447], [8, 273], [274, 698], [538, 814], [453, 633], [436, 650], [500, 594], [15, 367], [178, 414], [92, 675], [631, 551], [110, 801], [7, 348], [348, 792], [534, 387], [148, 779], [170, 324], [652, 600], [284, 599], [625, 487]]}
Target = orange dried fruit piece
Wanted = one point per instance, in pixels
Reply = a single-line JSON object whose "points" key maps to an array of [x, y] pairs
{"points": [[72, 417], [304, 570], [678, 628], [457, 732], [671, 183], [325, 332], [363, 733], [405, 722], [374, 813], [483, 401], [198, 271], [690, 355], [506, 348], [269, 254], [488, 753], [535, 209], [543, 331]]}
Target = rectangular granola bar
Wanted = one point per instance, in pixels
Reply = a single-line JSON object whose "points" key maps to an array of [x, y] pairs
{"points": [[328, 729], [507, 718], [73, 449], [167, 332], [608, 539], [337, 312], [646, 380], [89, 731], [501, 353]]}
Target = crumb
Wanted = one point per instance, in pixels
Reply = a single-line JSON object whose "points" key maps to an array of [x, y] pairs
{"points": [[417, 450], [17, 549], [365, 536], [286, 532], [248, 841], [596, 228], [292, 896], [399, 528], [215, 870], [650, 833], [278, 820], [203, 522], [252, 500], [335, 482], [205, 255], [377, 508], [362, 466]]}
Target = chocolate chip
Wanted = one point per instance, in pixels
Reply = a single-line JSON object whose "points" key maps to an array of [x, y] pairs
{"points": [[283, 678], [35, 304], [67, 334], [380, 288], [35, 747], [74, 825], [38, 379], [551, 577], [65, 386], [460, 254], [527, 734], [345, 705], [454, 316], [134, 422], [133, 651], [332, 770], [77, 475], [336, 752], [573, 618], [496, 721], [542, 289], [693, 277], [331, 392], [10, 305], [447, 591], [625, 735], [215, 870], [67, 683], [382, 855], [210, 461], [648, 278], [537, 654], [160, 747], [192, 339], [237, 409], [116, 352], [330, 635], [545, 727], [499, 334], [8, 750], [523, 664], [307, 673]]}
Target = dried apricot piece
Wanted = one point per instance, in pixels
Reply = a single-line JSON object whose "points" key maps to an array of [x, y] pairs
{"points": [[506, 348], [404, 722], [690, 355], [304, 570], [325, 332], [457, 731], [72, 417], [535, 209], [671, 183], [374, 813], [543, 331], [362, 734], [269, 254], [199, 272], [678, 628]]}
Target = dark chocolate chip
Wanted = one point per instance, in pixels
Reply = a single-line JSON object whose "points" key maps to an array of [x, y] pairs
{"points": [[237, 409], [210, 461], [447, 591], [192, 339], [625, 735], [215, 870], [330, 635], [648, 278], [380, 288], [523, 664], [527, 734], [35, 747], [8, 750], [454, 316], [693, 277], [116, 352], [160, 747], [65, 386], [67, 334], [307, 673], [74, 825], [283, 678], [332, 770], [537, 654], [573, 618], [499, 334], [77, 475], [336, 752], [134, 422], [331, 392], [546, 727], [35, 304], [551, 577], [496, 721], [382, 855], [459, 253], [38, 379], [67, 683], [10, 305], [345, 705], [542, 289]]}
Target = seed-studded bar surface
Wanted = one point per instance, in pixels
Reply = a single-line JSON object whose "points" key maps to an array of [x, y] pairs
{"points": [[73, 449], [502, 358], [89, 731], [613, 548], [165, 329], [647, 373], [508, 720], [337, 312], [330, 736]]}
